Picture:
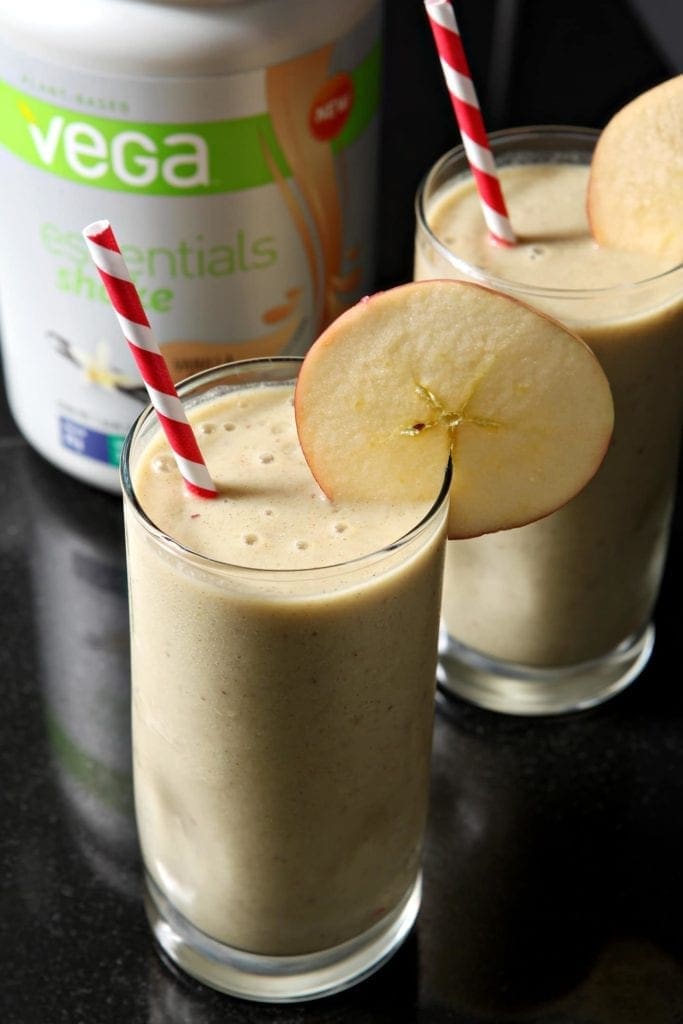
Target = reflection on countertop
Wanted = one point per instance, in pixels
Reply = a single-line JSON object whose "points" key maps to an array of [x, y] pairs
{"points": [[80, 618]]}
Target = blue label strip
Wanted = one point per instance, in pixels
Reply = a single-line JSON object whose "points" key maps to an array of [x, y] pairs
{"points": [[91, 443]]}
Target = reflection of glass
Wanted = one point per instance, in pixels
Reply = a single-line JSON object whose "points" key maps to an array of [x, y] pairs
{"points": [[81, 621], [515, 868], [556, 615]]}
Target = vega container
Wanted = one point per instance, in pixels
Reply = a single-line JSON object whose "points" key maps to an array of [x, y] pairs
{"points": [[233, 146]]}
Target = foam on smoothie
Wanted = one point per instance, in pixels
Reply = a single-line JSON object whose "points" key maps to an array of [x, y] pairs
{"points": [[555, 248], [270, 513]]}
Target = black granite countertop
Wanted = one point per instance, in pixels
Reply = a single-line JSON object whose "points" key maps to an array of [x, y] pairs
{"points": [[552, 881], [552, 874]]}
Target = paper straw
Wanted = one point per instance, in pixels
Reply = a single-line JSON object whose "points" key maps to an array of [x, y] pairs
{"points": [[470, 122], [107, 257]]}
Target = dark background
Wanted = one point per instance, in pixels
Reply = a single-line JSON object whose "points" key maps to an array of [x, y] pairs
{"points": [[553, 884]]}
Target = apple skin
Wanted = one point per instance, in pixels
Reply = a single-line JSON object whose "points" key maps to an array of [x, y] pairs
{"points": [[431, 368], [635, 187]]}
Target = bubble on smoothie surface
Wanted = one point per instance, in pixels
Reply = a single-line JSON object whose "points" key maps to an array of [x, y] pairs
{"points": [[229, 426], [163, 464], [340, 527], [206, 427], [250, 539], [266, 457]]}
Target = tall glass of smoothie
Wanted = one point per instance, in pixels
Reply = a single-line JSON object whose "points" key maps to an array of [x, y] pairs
{"points": [[283, 661], [557, 615]]}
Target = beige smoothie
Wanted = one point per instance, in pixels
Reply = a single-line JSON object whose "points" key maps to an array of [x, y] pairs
{"points": [[575, 585], [282, 712]]}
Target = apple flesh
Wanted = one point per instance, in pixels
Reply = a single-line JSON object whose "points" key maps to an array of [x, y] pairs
{"points": [[410, 375], [635, 188]]}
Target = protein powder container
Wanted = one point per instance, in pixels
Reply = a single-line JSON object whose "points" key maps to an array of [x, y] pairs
{"points": [[233, 146]]}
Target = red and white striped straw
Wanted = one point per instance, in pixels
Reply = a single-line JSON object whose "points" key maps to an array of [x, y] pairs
{"points": [[470, 122], [107, 257]]}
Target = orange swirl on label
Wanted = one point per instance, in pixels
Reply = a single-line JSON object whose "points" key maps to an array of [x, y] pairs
{"points": [[314, 198]]}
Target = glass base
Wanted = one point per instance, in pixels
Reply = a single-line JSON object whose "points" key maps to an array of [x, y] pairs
{"points": [[516, 689], [278, 979]]}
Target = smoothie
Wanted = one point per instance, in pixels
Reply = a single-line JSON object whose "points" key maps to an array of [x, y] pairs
{"points": [[575, 586], [283, 680]]}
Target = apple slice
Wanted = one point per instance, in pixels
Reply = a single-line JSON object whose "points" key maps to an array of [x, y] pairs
{"points": [[412, 374], [635, 188]]}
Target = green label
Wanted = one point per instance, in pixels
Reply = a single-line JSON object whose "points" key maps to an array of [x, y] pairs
{"points": [[162, 159], [114, 446]]}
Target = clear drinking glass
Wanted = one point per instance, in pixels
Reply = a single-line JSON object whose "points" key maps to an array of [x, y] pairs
{"points": [[557, 615], [282, 726]]}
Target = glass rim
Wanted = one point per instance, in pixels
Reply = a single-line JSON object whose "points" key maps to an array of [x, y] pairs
{"points": [[217, 566], [476, 273]]}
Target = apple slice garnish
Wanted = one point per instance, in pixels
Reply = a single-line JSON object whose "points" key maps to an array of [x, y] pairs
{"points": [[635, 188], [410, 375]]}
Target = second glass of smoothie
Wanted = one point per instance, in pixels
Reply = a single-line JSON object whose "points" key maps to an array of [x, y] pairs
{"points": [[283, 663], [557, 615]]}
